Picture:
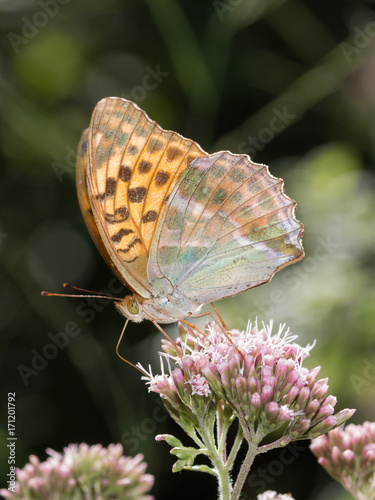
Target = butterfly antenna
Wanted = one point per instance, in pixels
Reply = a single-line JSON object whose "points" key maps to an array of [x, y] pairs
{"points": [[119, 355], [93, 295]]}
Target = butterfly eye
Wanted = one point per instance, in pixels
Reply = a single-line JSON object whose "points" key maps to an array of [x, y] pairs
{"points": [[133, 306]]}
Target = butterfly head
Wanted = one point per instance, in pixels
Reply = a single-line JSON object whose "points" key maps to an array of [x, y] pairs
{"points": [[131, 308]]}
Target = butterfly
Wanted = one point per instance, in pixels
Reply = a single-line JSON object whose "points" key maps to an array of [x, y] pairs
{"points": [[180, 228]]}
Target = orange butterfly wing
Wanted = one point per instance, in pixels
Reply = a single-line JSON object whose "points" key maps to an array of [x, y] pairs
{"points": [[125, 172]]}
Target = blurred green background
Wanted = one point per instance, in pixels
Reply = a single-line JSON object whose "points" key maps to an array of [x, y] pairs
{"points": [[290, 83]]}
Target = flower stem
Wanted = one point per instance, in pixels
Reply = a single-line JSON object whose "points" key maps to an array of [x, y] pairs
{"points": [[281, 442], [235, 448], [224, 481], [216, 458], [244, 471]]}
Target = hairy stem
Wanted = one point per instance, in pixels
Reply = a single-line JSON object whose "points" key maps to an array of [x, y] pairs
{"points": [[236, 446], [244, 471], [216, 458]]}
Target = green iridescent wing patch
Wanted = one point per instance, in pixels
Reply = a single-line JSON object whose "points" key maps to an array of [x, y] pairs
{"points": [[227, 227]]}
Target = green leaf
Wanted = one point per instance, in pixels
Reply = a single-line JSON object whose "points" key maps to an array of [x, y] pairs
{"points": [[179, 465], [186, 453]]}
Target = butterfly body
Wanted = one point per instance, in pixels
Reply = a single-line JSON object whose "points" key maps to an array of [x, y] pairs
{"points": [[160, 309], [179, 227]]}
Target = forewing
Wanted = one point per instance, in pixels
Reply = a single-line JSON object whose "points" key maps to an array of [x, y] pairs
{"points": [[84, 202], [227, 227], [132, 167]]}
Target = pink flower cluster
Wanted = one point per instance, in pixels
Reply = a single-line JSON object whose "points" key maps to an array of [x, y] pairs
{"points": [[258, 376], [82, 472], [349, 457]]}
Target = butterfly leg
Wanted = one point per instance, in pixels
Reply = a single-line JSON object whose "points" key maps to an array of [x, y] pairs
{"points": [[193, 326], [222, 326], [119, 355], [208, 313], [219, 316], [166, 335]]}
